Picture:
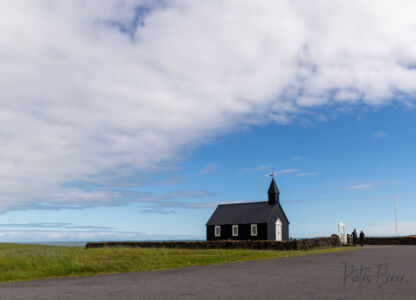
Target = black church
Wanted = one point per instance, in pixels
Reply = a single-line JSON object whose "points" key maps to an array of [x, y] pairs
{"points": [[264, 220]]}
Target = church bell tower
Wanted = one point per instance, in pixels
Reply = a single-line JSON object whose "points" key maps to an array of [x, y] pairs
{"points": [[273, 193]]}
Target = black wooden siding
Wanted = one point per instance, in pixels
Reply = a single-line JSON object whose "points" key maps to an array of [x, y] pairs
{"points": [[244, 232]]}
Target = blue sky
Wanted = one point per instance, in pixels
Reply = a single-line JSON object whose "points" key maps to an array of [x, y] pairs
{"points": [[133, 119]]}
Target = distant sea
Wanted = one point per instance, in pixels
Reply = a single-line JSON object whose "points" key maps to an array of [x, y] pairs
{"points": [[83, 243], [65, 243]]}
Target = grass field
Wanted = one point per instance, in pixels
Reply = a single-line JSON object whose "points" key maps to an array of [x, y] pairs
{"points": [[23, 262]]}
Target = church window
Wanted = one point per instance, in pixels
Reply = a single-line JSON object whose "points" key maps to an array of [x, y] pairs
{"points": [[253, 229], [235, 230], [217, 230]]}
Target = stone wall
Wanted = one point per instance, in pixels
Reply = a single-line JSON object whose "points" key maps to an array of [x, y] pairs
{"points": [[402, 240], [304, 244], [327, 242]]}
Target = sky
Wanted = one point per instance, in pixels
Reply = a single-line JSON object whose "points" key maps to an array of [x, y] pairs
{"points": [[132, 120]]}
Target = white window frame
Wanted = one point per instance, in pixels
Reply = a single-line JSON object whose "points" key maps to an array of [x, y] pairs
{"points": [[234, 230], [217, 231], [253, 229]]}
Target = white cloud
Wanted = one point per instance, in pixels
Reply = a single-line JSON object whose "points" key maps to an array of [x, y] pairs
{"points": [[307, 174], [359, 187], [83, 101], [288, 171], [379, 134], [283, 171], [297, 157], [209, 168], [257, 169]]}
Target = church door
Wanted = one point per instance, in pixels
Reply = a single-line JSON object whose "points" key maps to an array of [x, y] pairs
{"points": [[278, 230]]}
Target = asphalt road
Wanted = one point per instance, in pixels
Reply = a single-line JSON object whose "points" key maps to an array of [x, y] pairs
{"points": [[387, 272]]}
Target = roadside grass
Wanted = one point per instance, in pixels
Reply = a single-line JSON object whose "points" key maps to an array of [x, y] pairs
{"points": [[24, 262]]}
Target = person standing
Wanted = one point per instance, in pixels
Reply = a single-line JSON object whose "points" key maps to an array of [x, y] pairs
{"points": [[362, 235], [354, 237]]}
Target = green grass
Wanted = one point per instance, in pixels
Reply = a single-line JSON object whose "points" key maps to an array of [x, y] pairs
{"points": [[24, 262]]}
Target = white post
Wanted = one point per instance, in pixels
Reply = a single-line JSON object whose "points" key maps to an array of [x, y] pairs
{"points": [[342, 235]]}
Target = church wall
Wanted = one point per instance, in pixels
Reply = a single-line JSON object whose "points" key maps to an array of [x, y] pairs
{"points": [[244, 232]]}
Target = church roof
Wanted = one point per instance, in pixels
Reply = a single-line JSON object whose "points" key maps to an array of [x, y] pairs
{"points": [[242, 213]]}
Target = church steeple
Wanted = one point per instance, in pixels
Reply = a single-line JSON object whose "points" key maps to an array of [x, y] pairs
{"points": [[273, 193]]}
